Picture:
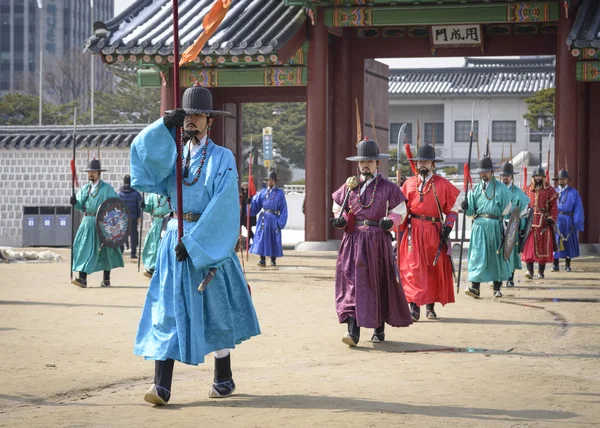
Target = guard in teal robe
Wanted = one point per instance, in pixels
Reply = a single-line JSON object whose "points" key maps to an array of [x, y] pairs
{"points": [[519, 201], [178, 321], [89, 255], [158, 207], [486, 203]]}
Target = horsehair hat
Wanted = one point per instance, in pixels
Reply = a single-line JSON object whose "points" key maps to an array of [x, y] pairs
{"points": [[272, 176], [94, 165], [368, 150], [563, 173], [426, 153], [507, 169], [538, 171], [484, 164], [198, 100]]}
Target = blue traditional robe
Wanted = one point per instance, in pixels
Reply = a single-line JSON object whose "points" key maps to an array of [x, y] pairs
{"points": [[484, 262], [158, 207], [271, 208], [570, 221], [178, 321], [86, 257], [520, 201]]}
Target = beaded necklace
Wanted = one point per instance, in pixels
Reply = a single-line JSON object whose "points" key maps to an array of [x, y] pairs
{"points": [[484, 191], [562, 196], [423, 191], [186, 163], [357, 190], [158, 201], [95, 192], [270, 191]]}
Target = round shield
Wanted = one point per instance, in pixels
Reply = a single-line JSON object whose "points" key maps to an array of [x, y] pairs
{"points": [[527, 229], [511, 235], [113, 222]]}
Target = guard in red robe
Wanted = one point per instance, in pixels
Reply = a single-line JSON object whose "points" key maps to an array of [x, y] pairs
{"points": [[430, 220], [539, 245]]}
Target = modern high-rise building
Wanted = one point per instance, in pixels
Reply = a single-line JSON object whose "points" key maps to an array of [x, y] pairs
{"points": [[61, 27]]}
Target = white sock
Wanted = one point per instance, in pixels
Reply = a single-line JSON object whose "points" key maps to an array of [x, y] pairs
{"points": [[222, 353]]}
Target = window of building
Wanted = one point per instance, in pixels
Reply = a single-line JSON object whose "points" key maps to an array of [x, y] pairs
{"points": [[504, 131], [395, 128], [431, 136], [535, 136], [462, 131]]}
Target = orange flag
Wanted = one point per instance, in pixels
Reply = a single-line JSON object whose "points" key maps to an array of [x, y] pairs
{"points": [[210, 23]]}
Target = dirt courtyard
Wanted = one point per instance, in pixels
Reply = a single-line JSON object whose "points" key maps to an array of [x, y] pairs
{"points": [[529, 359]]}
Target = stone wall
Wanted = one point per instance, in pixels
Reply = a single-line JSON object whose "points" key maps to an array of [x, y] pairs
{"points": [[43, 178]]}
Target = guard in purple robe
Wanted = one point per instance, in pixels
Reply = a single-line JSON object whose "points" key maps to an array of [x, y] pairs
{"points": [[270, 206], [367, 291], [570, 221]]}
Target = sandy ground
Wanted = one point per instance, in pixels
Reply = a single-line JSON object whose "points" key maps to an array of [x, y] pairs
{"points": [[67, 356]]}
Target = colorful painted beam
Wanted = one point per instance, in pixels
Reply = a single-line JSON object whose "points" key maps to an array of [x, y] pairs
{"points": [[226, 77], [333, 3], [487, 13], [588, 71]]}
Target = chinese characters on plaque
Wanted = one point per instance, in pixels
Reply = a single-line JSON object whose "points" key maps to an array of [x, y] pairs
{"points": [[456, 36]]}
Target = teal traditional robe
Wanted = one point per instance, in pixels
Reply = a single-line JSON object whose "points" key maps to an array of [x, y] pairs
{"points": [[179, 322], [520, 201], [158, 207], [485, 263], [86, 257]]}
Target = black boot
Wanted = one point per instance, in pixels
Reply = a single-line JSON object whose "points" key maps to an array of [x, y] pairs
{"points": [[106, 280], [511, 280], [529, 274], [541, 269], [262, 262], [223, 385], [352, 337], [415, 311], [497, 285], [273, 261], [160, 392], [555, 267], [80, 281], [378, 334], [473, 290], [430, 311], [567, 264]]}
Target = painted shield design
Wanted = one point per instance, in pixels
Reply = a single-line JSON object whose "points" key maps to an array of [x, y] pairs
{"points": [[511, 235], [525, 234], [113, 223]]}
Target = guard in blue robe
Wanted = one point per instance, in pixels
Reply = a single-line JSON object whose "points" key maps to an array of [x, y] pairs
{"points": [[270, 206], [570, 221], [178, 321]]}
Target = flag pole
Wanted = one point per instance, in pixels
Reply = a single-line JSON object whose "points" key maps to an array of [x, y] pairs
{"points": [[177, 101]]}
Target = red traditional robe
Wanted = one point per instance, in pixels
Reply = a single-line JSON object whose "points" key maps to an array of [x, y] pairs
{"points": [[424, 283], [538, 247]]}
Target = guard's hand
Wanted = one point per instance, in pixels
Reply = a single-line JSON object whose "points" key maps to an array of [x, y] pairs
{"points": [[550, 221], [464, 205], [445, 232], [386, 223], [181, 252], [72, 200], [175, 118], [340, 223], [249, 201], [142, 204]]}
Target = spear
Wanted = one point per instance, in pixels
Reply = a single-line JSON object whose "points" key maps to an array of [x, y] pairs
{"points": [[73, 179], [467, 181]]}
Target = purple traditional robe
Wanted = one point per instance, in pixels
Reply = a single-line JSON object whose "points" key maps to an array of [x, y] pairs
{"points": [[366, 286]]}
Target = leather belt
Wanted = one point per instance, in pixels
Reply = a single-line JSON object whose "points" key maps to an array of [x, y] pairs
{"points": [[90, 214], [272, 212], [161, 216], [566, 213], [426, 218], [493, 217], [366, 223], [189, 217]]}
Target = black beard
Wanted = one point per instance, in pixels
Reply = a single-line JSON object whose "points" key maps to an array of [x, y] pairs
{"points": [[562, 186], [538, 183], [485, 179], [191, 132], [367, 174], [506, 182], [424, 172]]}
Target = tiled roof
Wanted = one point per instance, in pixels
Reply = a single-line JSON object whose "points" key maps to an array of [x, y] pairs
{"points": [[586, 28], [525, 61], [250, 27], [470, 81], [61, 137]]}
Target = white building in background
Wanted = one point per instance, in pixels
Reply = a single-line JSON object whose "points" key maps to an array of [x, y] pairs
{"points": [[442, 100]]}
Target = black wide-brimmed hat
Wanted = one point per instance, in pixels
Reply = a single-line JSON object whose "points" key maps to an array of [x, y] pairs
{"points": [[272, 176], [426, 153], [507, 169], [563, 173], [368, 150], [484, 164], [198, 100], [94, 165], [538, 171]]}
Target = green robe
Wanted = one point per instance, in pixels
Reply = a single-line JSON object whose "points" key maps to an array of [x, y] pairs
{"points": [[86, 257], [158, 207], [484, 261], [519, 201]]}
